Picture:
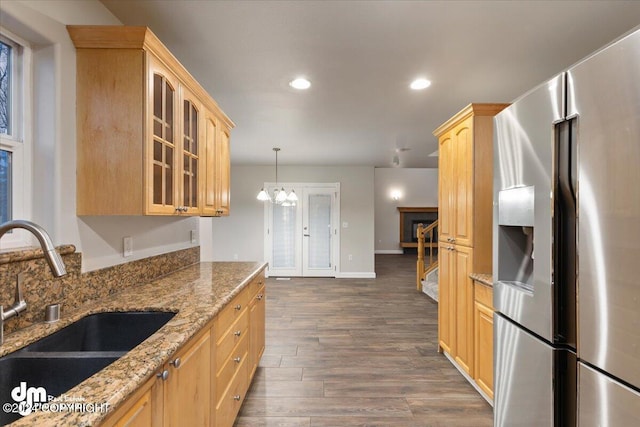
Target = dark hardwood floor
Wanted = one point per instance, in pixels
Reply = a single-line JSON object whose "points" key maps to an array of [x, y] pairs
{"points": [[357, 352]]}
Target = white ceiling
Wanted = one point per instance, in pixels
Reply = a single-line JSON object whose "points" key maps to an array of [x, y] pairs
{"points": [[360, 57]]}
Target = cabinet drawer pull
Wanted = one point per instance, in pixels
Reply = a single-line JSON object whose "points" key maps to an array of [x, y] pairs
{"points": [[164, 375], [238, 307], [259, 297], [236, 397], [237, 359], [175, 363], [237, 333]]}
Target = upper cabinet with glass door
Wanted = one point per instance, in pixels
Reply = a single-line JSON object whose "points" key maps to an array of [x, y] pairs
{"points": [[141, 127]]}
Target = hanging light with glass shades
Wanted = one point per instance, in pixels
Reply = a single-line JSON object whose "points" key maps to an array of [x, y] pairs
{"points": [[280, 196]]}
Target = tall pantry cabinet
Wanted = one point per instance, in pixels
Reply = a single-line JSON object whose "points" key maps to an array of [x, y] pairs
{"points": [[465, 217]]}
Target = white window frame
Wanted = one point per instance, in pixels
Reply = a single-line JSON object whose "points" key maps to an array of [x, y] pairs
{"points": [[19, 142]]}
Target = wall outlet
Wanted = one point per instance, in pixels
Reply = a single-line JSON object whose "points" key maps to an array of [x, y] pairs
{"points": [[350, 257], [127, 247], [345, 225], [194, 236], [235, 257]]}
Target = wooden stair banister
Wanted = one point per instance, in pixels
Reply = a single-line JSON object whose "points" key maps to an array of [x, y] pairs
{"points": [[423, 233]]}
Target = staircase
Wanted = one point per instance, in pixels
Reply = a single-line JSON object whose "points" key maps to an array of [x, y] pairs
{"points": [[427, 278], [430, 284]]}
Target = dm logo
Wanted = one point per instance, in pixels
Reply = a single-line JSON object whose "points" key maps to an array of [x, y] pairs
{"points": [[26, 397]]}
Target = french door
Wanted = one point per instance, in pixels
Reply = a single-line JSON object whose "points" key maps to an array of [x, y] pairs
{"points": [[303, 240]]}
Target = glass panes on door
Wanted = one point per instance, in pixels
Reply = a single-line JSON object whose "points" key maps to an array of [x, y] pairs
{"points": [[319, 231], [190, 155], [284, 237], [163, 144]]}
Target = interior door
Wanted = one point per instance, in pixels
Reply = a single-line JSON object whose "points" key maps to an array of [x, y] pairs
{"points": [[302, 240]]}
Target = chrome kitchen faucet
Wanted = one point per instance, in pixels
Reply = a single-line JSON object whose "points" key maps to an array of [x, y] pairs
{"points": [[53, 259]]}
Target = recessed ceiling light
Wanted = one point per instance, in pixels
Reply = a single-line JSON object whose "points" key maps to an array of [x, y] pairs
{"points": [[300, 83], [419, 84]]}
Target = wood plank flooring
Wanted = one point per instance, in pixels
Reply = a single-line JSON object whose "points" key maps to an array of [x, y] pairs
{"points": [[357, 352]]}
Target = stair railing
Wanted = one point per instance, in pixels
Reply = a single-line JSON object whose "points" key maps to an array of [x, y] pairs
{"points": [[427, 238]]}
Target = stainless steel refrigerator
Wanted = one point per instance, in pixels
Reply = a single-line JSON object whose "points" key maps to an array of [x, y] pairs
{"points": [[566, 247]]}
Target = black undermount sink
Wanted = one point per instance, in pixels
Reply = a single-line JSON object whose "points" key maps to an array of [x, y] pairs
{"points": [[55, 372], [111, 331], [62, 360]]}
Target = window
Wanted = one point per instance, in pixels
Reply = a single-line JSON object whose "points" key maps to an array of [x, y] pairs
{"points": [[14, 170]]}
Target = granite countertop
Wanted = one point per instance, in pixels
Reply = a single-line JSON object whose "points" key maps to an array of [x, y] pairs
{"points": [[484, 278], [196, 293]]}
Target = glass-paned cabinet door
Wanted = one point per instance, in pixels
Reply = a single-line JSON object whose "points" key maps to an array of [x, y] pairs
{"points": [[164, 151], [190, 152]]}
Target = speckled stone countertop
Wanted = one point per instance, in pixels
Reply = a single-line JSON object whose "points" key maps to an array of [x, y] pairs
{"points": [[484, 278], [196, 293]]}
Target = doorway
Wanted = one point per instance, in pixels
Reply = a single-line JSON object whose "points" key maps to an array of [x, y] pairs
{"points": [[303, 240]]}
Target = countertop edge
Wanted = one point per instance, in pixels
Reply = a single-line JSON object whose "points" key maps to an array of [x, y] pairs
{"points": [[484, 278]]}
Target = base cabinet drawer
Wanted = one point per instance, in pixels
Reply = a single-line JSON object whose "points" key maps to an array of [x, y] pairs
{"points": [[228, 341], [229, 404], [231, 366], [232, 311]]}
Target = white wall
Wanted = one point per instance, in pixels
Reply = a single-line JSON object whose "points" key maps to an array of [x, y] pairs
{"points": [[417, 187], [242, 232], [54, 148]]}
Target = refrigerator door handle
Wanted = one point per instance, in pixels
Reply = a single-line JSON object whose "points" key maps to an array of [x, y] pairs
{"points": [[564, 233]]}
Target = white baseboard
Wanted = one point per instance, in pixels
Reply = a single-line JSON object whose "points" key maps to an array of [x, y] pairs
{"points": [[389, 252], [364, 275]]}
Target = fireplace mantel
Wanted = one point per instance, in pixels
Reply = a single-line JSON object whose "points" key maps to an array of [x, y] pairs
{"points": [[409, 216]]}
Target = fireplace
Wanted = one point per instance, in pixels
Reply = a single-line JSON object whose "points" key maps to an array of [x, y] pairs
{"points": [[410, 217]]}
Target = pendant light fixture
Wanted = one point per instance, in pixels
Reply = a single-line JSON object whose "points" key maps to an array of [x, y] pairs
{"points": [[280, 196]]}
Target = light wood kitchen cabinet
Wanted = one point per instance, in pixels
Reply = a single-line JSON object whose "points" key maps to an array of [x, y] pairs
{"points": [[257, 312], [187, 391], [140, 126], [232, 357], [455, 306], [191, 161], [446, 209], [223, 172], [463, 266], [178, 394], [466, 175], [446, 299], [217, 176], [142, 409], [240, 332], [483, 337], [465, 224]]}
